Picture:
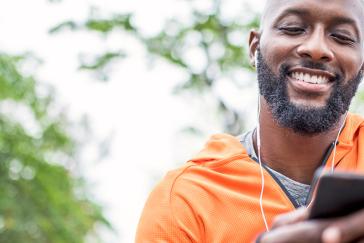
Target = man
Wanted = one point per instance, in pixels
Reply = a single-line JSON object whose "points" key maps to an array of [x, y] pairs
{"points": [[309, 59]]}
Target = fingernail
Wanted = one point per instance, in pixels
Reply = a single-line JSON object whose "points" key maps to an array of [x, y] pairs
{"points": [[331, 235]]}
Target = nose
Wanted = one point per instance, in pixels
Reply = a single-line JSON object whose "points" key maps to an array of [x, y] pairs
{"points": [[315, 46]]}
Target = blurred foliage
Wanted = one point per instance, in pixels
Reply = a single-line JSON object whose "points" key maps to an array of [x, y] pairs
{"points": [[101, 63], [40, 200], [217, 39]]}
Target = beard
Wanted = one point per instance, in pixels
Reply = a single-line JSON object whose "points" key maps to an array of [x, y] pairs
{"points": [[304, 120]]}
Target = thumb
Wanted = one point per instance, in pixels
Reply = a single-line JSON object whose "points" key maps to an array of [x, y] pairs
{"points": [[296, 216]]}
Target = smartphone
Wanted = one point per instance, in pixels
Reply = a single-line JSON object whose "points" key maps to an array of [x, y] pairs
{"points": [[338, 194]]}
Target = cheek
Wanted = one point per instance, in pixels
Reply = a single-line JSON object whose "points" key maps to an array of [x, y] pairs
{"points": [[276, 51], [351, 62]]}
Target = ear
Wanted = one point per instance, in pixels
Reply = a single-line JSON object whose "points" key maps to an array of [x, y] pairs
{"points": [[254, 38]]}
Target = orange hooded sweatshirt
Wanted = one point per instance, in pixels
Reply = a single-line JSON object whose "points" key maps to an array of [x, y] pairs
{"points": [[215, 196]]}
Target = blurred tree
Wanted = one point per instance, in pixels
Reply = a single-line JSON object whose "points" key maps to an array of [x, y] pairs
{"points": [[217, 40], [40, 200]]}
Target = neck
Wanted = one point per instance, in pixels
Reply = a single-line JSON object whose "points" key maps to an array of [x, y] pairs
{"points": [[294, 155]]}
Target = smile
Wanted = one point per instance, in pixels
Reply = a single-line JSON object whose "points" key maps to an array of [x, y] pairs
{"points": [[308, 78], [311, 81], [312, 76]]}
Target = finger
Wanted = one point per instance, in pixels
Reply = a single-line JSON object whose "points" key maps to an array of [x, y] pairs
{"points": [[331, 235], [308, 231], [296, 216], [346, 229]]}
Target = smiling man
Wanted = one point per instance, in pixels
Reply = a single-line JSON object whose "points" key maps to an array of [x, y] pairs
{"points": [[309, 60]]}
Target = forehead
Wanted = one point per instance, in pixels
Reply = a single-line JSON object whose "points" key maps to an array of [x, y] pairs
{"points": [[320, 9]]}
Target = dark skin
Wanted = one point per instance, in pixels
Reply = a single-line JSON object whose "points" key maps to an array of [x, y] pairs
{"points": [[280, 145], [326, 31], [293, 30]]}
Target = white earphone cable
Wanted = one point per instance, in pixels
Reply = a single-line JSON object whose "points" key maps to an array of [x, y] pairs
{"points": [[336, 140], [261, 170], [259, 157], [332, 167], [261, 166]]}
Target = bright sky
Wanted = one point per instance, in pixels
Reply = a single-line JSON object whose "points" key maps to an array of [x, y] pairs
{"points": [[135, 107]]}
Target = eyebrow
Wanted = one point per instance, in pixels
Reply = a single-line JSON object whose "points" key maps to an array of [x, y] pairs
{"points": [[346, 20], [336, 20], [292, 11]]}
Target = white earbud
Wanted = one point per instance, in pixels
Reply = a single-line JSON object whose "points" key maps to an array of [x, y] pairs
{"points": [[256, 57]]}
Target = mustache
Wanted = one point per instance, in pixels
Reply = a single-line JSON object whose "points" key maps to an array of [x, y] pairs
{"points": [[314, 65]]}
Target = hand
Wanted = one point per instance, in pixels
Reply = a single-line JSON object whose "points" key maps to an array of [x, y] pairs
{"points": [[294, 227], [346, 229]]}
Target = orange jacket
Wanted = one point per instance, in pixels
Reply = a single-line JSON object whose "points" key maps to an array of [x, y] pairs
{"points": [[215, 196]]}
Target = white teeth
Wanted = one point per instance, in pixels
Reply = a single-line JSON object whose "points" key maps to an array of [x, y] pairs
{"points": [[314, 79], [301, 76], [307, 78], [310, 79]]}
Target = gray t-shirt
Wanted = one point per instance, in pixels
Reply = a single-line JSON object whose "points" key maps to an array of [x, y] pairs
{"points": [[297, 191]]}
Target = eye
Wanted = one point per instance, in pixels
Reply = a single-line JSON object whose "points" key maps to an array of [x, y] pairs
{"points": [[294, 30], [343, 39]]}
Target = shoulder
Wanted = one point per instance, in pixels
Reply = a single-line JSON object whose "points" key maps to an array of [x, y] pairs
{"points": [[175, 205], [222, 157], [353, 130]]}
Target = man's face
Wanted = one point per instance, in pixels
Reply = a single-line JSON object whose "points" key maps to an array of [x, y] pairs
{"points": [[313, 47]]}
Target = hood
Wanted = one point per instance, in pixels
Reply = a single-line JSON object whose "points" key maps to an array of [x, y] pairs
{"points": [[352, 126], [219, 147]]}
